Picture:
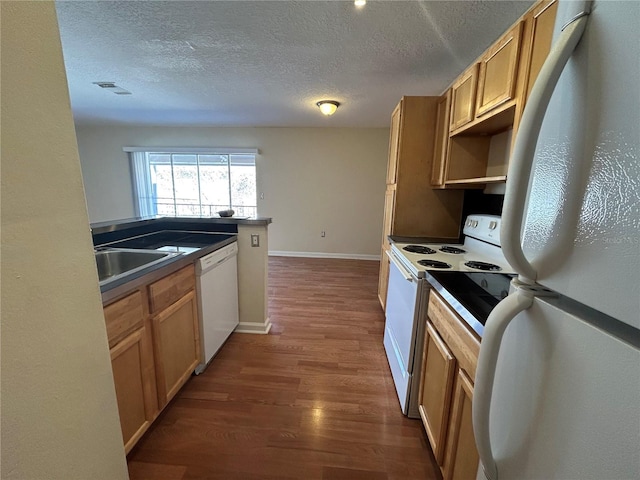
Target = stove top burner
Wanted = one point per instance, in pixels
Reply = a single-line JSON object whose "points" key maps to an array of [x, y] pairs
{"points": [[433, 264], [453, 250], [419, 249], [490, 267]]}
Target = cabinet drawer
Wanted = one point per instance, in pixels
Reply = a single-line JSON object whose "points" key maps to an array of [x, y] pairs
{"points": [[123, 317], [464, 344], [171, 288]]}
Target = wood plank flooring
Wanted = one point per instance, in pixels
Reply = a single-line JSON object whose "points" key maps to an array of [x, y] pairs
{"points": [[314, 399]]}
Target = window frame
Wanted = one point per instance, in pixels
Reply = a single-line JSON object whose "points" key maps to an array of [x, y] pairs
{"points": [[145, 199]]}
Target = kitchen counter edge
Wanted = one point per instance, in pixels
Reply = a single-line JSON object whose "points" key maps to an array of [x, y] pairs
{"points": [[114, 225], [112, 291]]}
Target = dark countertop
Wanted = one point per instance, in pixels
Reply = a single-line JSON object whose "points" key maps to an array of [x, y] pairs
{"points": [[158, 234], [113, 225], [469, 299]]}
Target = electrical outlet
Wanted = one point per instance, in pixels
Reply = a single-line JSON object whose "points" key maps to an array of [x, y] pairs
{"points": [[261, 195], [255, 240], [323, 234]]}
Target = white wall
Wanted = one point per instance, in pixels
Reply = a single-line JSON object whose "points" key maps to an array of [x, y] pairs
{"points": [[59, 411], [313, 179]]}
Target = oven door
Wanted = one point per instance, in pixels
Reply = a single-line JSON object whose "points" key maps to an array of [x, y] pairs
{"points": [[400, 331]]}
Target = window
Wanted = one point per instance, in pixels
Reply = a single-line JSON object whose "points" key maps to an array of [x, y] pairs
{"points": [[185, 182]]}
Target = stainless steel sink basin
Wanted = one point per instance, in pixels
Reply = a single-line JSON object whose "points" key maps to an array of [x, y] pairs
{"points": [[117, 262]]}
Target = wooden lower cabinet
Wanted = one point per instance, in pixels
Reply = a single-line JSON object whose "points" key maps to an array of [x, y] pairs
{"points": [[383, 278], [446, 390], [134, 380], [435, 389], [153, 353], [176, 346], [461, 457]]}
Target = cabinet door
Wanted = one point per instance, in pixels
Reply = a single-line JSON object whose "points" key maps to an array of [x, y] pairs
{"points": [[441, 145], [389, 211], [438, 371], [463, 98], [383, 279], [542, 21], [394, 141], [498, 69], [133, 376], [176, 346], [461, 458]]}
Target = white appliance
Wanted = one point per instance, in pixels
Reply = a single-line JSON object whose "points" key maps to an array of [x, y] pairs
{"points": [[557, 391], [217, 286], [479, 252], [408, 291]]}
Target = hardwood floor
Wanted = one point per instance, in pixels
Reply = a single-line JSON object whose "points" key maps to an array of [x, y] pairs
{"points": [[314, 399]]}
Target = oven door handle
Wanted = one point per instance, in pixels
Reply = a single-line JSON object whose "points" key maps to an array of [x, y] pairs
{"points": [[403, 271]]}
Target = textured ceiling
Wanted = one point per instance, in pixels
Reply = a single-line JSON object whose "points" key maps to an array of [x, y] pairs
{"points": [[266, 63]]}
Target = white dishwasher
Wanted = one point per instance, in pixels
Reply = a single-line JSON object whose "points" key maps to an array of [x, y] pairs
{"points": [[217, 275]]}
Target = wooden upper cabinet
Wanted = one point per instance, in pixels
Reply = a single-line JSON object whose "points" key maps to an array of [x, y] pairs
{"points": [[498, 72], [394, 139], [441, 143], [541, 21], [463, 98]]}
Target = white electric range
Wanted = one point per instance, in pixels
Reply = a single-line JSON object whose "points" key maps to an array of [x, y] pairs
{"points": [[472, 277], [480, 251]]}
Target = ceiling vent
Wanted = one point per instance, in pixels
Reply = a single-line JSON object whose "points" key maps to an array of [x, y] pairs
{"points": [[111, 86]]}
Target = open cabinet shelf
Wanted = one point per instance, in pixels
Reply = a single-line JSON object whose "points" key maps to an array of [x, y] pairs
{"points": [[478, 181]]}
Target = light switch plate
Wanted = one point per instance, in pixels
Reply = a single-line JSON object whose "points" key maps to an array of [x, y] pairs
{"points": [[255, 240]]}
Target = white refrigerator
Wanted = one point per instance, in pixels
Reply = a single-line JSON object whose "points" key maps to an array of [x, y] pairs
{"points": [[557, 392]]}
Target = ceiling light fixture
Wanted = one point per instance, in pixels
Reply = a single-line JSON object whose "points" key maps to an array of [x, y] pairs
{"points": [[328, 107], [360, 3]]}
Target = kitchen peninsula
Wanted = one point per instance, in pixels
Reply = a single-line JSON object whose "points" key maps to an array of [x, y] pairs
{"points": [[252, 259], [153, 310]]}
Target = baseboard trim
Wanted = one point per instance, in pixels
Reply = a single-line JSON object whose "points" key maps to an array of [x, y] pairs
{"points": [[345, 256], [254, 327]]}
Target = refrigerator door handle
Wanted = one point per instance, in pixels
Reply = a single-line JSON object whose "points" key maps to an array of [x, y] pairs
{"points": [[525, 145], [498, 320]]}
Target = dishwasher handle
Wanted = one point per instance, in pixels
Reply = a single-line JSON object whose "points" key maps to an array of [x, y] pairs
{"points": [[214, 259]]}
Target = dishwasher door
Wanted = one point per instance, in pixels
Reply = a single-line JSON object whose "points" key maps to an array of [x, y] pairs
{"points": [[217, 275]]}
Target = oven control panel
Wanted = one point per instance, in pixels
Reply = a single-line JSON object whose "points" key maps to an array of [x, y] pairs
{"points": [[483, 227]]}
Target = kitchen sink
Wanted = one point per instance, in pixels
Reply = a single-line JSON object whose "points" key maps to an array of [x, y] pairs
{"points": [[117, 262]]}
